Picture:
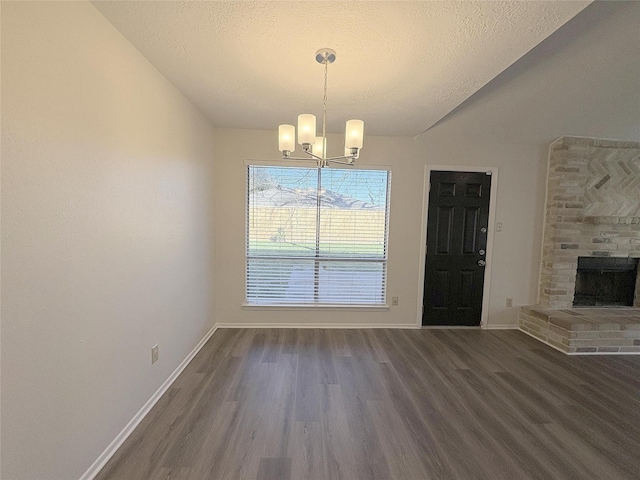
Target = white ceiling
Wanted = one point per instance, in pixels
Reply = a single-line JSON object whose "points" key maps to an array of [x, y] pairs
{"points": [[401, 66]]}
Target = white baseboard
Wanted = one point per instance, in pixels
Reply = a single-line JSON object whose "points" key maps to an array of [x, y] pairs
{"points": [[501, 327], [104, 457], [317, 325]]}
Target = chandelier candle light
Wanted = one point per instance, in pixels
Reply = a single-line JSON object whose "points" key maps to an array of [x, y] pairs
{"points": [[316, 147]]}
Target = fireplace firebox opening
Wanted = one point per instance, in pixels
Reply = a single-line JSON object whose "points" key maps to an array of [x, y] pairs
{"points": [[605, 282]]}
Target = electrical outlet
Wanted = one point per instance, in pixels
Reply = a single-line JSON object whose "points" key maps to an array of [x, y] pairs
{"points": [[154, 354], [499, 227], [509, 302], [394, 301]]}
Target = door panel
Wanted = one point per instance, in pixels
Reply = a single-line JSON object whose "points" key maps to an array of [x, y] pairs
{"points": [[467, 278], [441, 292], [456, 241], [446, 189], [470, 229], [445, 224]]}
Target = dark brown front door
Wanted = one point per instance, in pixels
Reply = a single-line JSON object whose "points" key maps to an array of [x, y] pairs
{"points": [[456, 245]]}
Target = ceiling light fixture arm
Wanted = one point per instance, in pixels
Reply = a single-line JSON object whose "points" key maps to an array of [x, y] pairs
{"points": [[322, 162]]}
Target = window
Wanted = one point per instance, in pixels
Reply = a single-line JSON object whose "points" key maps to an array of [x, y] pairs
{"points": [[317, 236]]}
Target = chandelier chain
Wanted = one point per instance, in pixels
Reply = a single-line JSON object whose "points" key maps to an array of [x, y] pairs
{"points": [[324, 110]]}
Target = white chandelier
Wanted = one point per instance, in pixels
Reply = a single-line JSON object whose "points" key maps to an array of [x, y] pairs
{"points": [[316, 147]]}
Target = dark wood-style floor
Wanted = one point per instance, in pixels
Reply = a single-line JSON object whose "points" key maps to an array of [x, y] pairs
{"points": [[389, 404]]}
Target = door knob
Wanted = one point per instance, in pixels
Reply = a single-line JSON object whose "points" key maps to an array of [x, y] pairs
{"points": [[481, 263]]}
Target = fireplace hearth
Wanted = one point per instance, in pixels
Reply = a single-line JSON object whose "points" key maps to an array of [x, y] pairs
{"points": [[605, 282]]}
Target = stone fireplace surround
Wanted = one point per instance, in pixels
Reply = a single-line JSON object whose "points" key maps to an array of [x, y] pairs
{"points": [[592, 210]]}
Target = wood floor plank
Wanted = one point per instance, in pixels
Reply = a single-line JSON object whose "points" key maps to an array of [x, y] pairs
{"points": [[308, 381], [202, 414], [290, 341], [401, 453], [179, 473], [274, 338], [514, 423], [307, 461], [472, 343], [274, 469], [248, 434], [210, 453], [603, 380], [278, 405], [335, 437], [447, 422], [564, 419], [365, 448], [604, 438], [416, 415], [339, 345], [589, 461], [328, 373], [370, 340], [293, 404]]}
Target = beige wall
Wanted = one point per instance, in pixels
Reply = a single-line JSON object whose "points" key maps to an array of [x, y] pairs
{"points": [[519, 208], [106, 219]]}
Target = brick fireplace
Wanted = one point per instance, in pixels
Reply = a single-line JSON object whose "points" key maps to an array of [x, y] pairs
{"points": [[593, 210], [592, 219]]}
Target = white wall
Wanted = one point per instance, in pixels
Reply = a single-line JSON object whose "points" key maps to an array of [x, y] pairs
{"points": [[583, 80], [513, 274], [106, 235]]}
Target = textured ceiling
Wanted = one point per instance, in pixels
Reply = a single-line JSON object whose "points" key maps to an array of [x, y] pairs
{"points": [[401, 66]]}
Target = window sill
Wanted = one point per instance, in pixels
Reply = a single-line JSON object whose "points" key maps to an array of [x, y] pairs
{"points": [[249, 306]]}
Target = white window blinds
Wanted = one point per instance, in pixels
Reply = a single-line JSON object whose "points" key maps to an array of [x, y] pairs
{"points": [[316, 236]]}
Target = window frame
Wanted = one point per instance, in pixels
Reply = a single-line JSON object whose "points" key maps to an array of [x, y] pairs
{"points": [[315, 305]]}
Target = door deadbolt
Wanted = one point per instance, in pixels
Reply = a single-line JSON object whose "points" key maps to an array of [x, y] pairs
{"points": [[481, 263], [481, 252], [483, 230]]}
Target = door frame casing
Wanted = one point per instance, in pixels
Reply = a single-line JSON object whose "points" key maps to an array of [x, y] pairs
{"points": [[484, 319]]}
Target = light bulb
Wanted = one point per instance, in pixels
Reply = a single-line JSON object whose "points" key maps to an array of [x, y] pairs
{"points": [[354, 134], [318, 147], [306, 129], [287, 138]]}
